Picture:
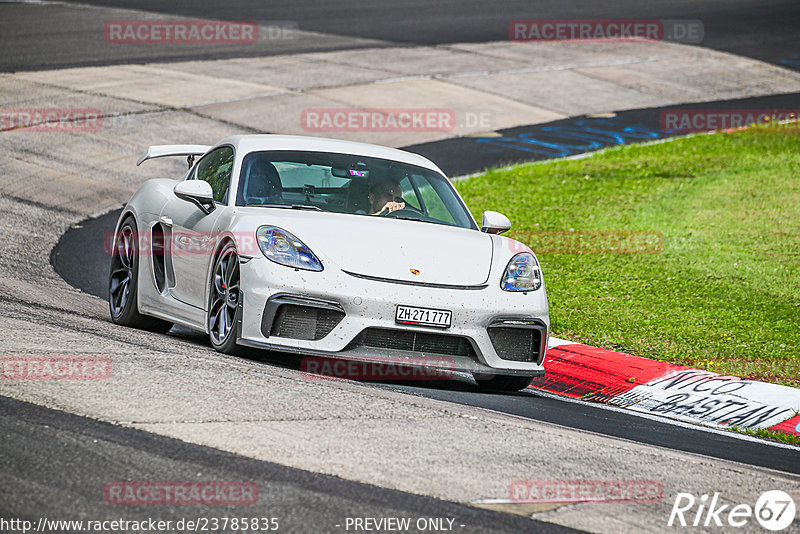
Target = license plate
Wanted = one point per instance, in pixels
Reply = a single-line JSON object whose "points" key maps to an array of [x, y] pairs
{"points": [[423, 316]]}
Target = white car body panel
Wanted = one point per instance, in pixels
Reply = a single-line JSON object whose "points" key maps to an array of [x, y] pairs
{"points": [[368, 263], [384, 248]]}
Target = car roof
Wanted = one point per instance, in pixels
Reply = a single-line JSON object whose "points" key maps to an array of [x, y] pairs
{"points": [[257, 142]]}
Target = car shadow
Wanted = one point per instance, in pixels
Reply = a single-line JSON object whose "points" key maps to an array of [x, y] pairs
{"points": [[458, 383]]}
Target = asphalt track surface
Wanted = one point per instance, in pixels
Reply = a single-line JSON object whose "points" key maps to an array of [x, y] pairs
{"points": [[80, 257], [57, 464], [766, 30], [37, 436]]}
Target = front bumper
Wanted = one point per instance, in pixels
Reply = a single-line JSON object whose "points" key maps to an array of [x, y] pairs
{"points": [[368, 306]]}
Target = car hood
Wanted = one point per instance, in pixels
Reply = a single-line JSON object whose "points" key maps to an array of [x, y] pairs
{"points": [[391, 248]]}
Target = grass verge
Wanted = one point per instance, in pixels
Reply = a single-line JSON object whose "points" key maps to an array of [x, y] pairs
{"points": [[686, 251], [772, 435]]}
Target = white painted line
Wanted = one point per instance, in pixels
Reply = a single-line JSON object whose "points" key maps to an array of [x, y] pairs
{"points": [[582, 155], [555, 342]]}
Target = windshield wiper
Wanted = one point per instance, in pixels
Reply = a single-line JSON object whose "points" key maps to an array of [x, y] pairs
{"points": [[412, 219], [288, 206]]}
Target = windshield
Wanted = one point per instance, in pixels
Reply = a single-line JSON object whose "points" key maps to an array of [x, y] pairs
{"points": [[344, 183]]}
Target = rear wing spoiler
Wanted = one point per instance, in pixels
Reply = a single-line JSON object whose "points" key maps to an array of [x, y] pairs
{"points": [[162, 151]]}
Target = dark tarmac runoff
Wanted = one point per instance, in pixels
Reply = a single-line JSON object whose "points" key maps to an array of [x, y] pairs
{"points": [[36, 36], [62, 466]]}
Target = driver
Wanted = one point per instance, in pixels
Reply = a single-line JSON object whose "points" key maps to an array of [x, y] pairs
{"points": [[385, 195], [263, 182]]}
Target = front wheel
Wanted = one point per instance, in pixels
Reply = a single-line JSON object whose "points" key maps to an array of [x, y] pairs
{"points": [[225, 293], [502, 382], [123, 282]]}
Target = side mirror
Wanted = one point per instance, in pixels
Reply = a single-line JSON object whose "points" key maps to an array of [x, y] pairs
{"points": [[198, 192], [495, 223]]}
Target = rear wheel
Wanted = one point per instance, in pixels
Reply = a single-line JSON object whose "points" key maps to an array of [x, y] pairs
{"points": [[123, 282], [225, 293], [502, 382]]}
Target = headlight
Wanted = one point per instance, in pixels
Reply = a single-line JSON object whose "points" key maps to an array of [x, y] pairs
{"points": [[522, 274], [282, 247]]}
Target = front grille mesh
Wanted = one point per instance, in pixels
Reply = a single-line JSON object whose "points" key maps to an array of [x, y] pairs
{"points": [[516, 344], [412, 341], [304, 322]]}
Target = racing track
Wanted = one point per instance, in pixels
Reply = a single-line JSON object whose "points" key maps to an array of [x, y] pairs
{"points": [[762, 30], [80, 257], [99, 452], [256, 405]]}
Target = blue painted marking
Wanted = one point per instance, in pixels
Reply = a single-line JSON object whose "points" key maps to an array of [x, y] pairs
{"points": [[579, 136], [793, 60]]}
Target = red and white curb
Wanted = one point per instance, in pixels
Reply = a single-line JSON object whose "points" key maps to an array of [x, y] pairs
{"points": [[662, 389]]}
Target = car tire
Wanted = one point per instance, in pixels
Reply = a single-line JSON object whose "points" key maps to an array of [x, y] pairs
{"points": [[224, 295], [123, 282], [503, 382]]}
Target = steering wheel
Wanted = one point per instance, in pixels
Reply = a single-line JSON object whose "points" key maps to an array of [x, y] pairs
{"points": [[402, 212]]}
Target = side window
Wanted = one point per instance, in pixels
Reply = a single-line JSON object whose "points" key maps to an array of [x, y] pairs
{"points": [[433, 201], [409, 195], [216, 168]]}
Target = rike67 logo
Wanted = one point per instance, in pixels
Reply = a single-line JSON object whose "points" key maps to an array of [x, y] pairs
{"points": [[774, 510]]}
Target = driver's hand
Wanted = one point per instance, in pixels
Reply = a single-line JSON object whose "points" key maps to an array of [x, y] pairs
{"points": [[393, 206]]}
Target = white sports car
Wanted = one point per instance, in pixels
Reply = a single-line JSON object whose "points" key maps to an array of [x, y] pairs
{"points": [[331, 249]]}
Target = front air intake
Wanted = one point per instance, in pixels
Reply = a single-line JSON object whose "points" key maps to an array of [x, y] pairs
{"points": [[517, 341], [304, 322], [414, 342], [299, 317]]}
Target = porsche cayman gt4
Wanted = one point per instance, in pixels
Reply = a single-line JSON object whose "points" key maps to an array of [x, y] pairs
{"points": [[329, 248]]}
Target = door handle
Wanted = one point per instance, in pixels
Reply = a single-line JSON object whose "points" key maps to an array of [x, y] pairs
{"points": [[166, 221]]}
